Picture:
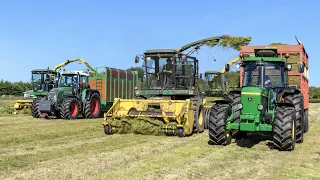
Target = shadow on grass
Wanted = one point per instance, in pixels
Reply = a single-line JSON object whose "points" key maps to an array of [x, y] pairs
{"points": [[253, 139]]}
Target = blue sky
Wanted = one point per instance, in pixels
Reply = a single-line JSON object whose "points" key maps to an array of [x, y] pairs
{"points": [[38, 34]]}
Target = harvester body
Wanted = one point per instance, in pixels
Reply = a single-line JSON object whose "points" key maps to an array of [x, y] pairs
{"points": [[264, 103], [169, 93], [43, 80]]}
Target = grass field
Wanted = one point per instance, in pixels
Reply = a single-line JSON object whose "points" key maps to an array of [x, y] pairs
{"points": [[78, 149]]}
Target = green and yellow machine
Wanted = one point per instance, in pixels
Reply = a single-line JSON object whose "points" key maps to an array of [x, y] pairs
{"points": [[264, 103], [42, 82]]}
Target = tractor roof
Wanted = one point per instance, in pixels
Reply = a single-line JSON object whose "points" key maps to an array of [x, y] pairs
{"points": [[83, 73], [272, 59], [213, 72], [154, 51], [43, 70]]}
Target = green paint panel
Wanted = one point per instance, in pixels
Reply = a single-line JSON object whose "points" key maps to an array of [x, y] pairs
{"points": [[273, 59]]}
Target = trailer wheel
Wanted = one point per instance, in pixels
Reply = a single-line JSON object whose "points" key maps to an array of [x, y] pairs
{"points": [[35, 108], [306, 121], [284, 129], [70, 108], [218, 134], [297, 101], [92, 106]]}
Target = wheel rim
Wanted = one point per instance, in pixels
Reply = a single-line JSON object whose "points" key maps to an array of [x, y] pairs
{"points": [[200, 119], [293, 132], [94, 106], [73, 109]]}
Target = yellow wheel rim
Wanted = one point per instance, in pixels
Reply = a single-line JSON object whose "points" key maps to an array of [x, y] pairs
{"points": [[201, 117], [228, 133], [293, 133]]}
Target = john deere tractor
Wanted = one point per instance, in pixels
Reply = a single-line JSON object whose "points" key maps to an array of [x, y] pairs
{"points": [[265, 103], [42, 83], [72, 98], [169, 93]]}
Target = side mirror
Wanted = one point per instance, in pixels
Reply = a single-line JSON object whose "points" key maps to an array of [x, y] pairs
{"points": [[200, 75], [184, 58], [289, 67], [301, 68], [137, 59], [227, 67]]}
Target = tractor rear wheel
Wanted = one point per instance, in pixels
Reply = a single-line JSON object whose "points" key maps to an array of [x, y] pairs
{"points": [[284, 129], [218, 134], [70, 108], [35, 108], [92, 106], [297, 101], [306, 121]]}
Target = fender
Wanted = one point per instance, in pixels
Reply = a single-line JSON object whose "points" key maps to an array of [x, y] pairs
{"points": [[284, 104], [90, 92]]}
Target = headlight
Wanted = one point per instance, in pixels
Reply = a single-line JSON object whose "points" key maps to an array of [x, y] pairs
{"points": [[240, 106], [260, 106]]}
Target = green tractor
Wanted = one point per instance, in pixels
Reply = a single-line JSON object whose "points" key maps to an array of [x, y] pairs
{"points": [[215, 89], [72, 98], [42, 83], [264, 103]]}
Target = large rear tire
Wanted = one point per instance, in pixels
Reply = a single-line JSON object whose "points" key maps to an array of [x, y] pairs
{"points": [[306, 121], [235, 99], [297, 101], [218, 134], [207, 116], [92, 106], [70, 108], [284, 129]]}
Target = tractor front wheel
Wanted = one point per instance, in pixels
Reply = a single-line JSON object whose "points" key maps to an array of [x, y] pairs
{"points": [[70, 108], [35, 108], [92, 106], [218, 134], [284, 129]]}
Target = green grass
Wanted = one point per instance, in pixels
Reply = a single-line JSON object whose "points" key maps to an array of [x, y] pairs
{"points": [[74, 149]]}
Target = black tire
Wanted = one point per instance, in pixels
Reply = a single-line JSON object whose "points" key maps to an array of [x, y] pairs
{"points": [[297, 101], [306, 121], [198, 114], [92, 107], [107, 130], [35, 108], [180, 132], [235, 99], [207, 115], [70, 108], [285, 121], [217, 125]]}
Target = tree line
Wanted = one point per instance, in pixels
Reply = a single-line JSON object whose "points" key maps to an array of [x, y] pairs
{"points": [[17, 88]]}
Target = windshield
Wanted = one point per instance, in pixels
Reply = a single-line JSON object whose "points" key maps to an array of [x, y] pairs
{"points": [[42, 81], [168, 71], [267, 75], [68, 80]]}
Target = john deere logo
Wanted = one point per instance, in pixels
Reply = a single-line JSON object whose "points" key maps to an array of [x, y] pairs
{"points": [[250, 99]]}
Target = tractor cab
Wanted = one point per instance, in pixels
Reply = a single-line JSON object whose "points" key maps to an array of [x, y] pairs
{"points": [[42, 82], [216, 85], [168, 73]]}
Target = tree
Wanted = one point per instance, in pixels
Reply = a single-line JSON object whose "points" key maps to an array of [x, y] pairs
{"points": [[138, 69]]}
